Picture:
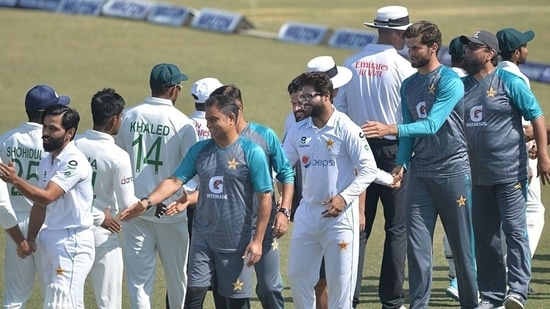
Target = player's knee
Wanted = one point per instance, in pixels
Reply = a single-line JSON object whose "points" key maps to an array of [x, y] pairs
{"points": [[57, 297], [195, 297]]}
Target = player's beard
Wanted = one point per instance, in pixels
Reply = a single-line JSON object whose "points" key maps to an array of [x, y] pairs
{"points": [[418, 62], [52, 144], [316, 110], [472, 66]]}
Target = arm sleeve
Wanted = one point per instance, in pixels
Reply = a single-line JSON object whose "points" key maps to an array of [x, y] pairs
{"points": [[98, 215], [383, 178], [359, 151], [259, 170], [285, 173], [405, 149], [521, 96], [289, 146], [124, 190], [449, 92], [187, 168], [7, 215], [71, 171]]}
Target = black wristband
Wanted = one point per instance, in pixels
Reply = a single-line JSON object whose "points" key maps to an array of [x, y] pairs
{"points": [[149, 203]]}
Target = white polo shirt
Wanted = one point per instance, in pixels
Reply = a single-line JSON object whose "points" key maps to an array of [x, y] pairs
{"points": [[157, 136], [23, 145], [373, 92], [7, 215], [71, 171], [112, 177], [328, 158]]}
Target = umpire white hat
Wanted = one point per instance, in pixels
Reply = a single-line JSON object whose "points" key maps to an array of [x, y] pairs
{"points": [[338, 75], [391, 17]]}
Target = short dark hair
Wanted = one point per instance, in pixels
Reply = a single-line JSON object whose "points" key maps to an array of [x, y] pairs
{"points": [[429, 31], [296, 84], [105, 104], [69, 120], [225, 103], [229, 90], [318, 80], [507, 54]]}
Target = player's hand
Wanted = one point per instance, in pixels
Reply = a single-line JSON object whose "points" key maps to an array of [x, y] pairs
{"points": [[532, 152], [362, 222], [160, 210], [26, 248], [7, 172], [133, 211], [543, 168], [253, 252], [280, 225], [335, 206], [374, 129], [110, 223], [178, 205], [397, 174]]}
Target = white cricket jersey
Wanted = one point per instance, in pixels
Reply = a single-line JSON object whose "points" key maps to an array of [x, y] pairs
{"points": [[7, 215], [382, 177], [199, 120], [328, 158], [373, 92], [71, 171], [157, 136], [112, 177], [23, 145], [289, 122]]}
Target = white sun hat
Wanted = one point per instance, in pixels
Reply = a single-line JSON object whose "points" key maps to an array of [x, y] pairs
{"points": [[339, 75]]}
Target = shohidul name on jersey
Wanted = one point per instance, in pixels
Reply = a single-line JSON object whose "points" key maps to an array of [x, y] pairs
{"points": [[140, 127]]}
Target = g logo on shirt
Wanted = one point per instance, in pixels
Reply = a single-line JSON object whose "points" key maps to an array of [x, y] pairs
{"points": [[421, 110], [476, 113], [216, 184]]}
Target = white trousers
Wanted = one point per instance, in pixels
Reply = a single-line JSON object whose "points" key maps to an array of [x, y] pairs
{"points": [[142, 239], [535, 209], [66, 258], [106, 276], [313, 237]]}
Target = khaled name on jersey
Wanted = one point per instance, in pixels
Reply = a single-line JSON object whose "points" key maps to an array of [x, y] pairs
{"points": [[215, 186]]}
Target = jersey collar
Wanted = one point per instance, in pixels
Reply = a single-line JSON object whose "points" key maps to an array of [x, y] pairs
{"points": [[159, 101], [96, 135]]}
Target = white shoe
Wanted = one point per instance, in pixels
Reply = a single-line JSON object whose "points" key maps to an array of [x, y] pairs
{"points": [[513, 302]]}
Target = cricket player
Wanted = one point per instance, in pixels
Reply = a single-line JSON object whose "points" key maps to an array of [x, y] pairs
{"points": [[232, 170], [495, 101], [439, 173], [63, 203], [513, 51], [330, 148], [456, 51], [23, 146], [269, 286], [113, 186], [373, 94], [157, 136]]}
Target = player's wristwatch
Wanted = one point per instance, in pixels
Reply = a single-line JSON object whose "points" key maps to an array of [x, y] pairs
{"points": [[285, 211], [149, 203]]}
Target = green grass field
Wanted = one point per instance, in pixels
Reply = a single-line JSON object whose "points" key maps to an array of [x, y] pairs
{"points": [[79, 55]]}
